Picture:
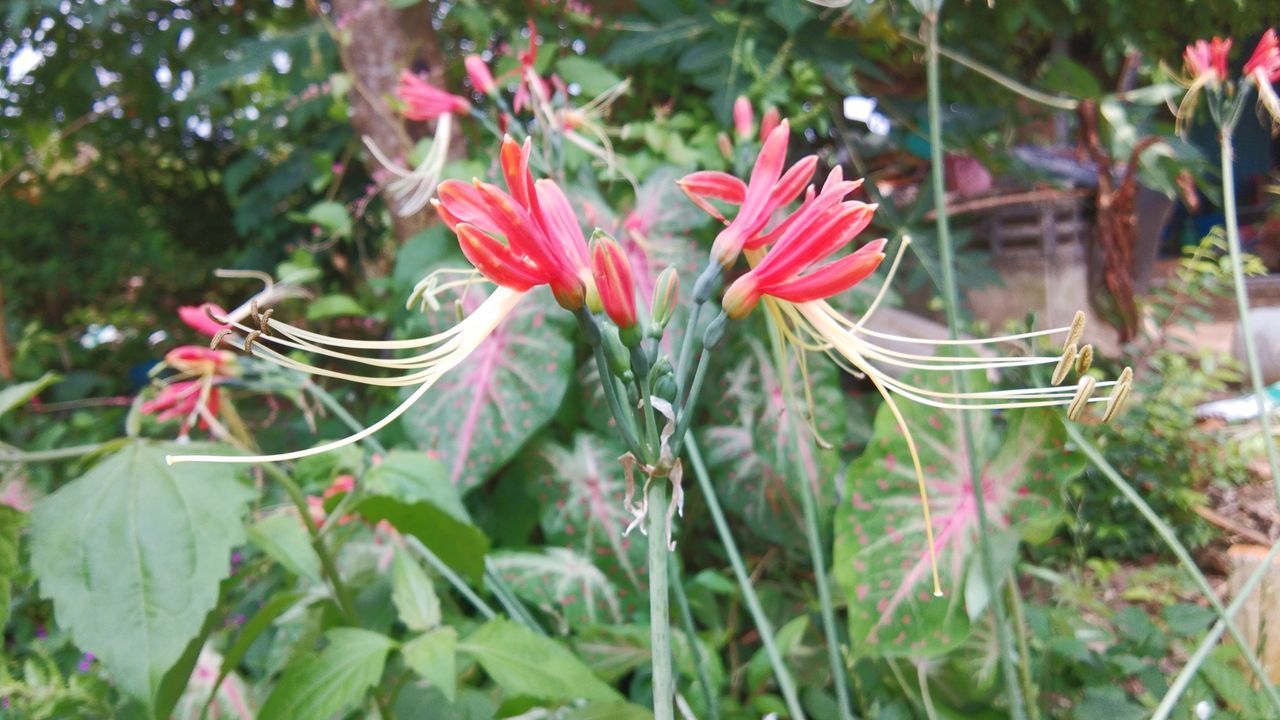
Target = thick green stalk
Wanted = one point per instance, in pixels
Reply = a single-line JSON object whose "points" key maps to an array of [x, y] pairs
{"points": [[1179, 685], [951, 298], [811, 529], [786, 685], [699, 660], [1242, 304], [1180, 551], [659, 601]]}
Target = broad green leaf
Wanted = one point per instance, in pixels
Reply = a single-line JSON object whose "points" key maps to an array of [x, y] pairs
{"points": [[881, 555], [478, 416], [328, 306], [131, 555], [525, 663], [419, 253], [11, 521], [750, 449], [593, 77], [283, 537], [613, 651], [321, 686], [610, 711], [563, 584], [433, 656], [412, 492], [331, 216], [413, 594], [17, 394], [582, 492]]}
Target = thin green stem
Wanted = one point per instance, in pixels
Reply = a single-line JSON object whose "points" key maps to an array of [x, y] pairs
{"points": [[14, 455], [699, 659], [332, 405], [811, 528], [507, 598], [685, 419], [624, 420], [1179, 685], [1024, 649], [786, 685], [951, 297], [1242, 305], [1184, 557], [646, 402], [342, 595], [659, 601], [454, 579], [922, 676]]}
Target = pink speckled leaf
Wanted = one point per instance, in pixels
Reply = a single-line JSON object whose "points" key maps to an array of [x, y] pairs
{"points": [[478, 416], [881, 554], [563, 584], [581, 489], [748, 445]]}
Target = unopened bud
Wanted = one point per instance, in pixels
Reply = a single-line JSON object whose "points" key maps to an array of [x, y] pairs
{"points": [[665, 387], [613, 280], [480, 76], [744, 118], [715, 331], [725, 144], [666, 291], [615, 352]]}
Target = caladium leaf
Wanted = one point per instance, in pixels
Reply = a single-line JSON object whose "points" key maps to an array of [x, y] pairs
{"points": [[881, 555], [750, 442], [563, 584], [478, 416], [581, 489]]}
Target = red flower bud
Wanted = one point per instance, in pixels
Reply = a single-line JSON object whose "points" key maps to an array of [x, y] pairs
{"points": [[612, 273]]}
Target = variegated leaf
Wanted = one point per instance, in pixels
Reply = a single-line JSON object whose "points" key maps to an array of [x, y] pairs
{"points": [[563, 584]]}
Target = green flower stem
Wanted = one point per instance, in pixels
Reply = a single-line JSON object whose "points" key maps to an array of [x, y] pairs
{"points": [[454, 579], [702, 289], [624, 420], [811, 529], [685, 418], [785, 683], [1029, 690], [1242, 304], [340, 591], [951, 298], [9, 454], [640, 368], [686, 623], [1180, 551], [1179, 685], [659, 600]]}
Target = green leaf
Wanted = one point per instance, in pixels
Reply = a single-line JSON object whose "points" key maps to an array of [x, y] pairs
{"points": [[131, 555], [525, 663], [412, 492], [413, 594], [593, 77], [610, 711], [331, 216], [283, 537], [321, 686], [478, 416], [15, 395], [563, 584], [266, 615], [419, 253], [881, 557], [433, 657], [11, 521], [336, 305]]}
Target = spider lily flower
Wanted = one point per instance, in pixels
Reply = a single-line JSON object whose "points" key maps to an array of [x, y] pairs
{"points": [[424, 101], [478, 71], [744, 118], [198, 317], [768, 189], [822, 225], [543, 246], [613, 279], [1206, 61], [412, 188], [1263, 69], [192, 395], [585, 127]]}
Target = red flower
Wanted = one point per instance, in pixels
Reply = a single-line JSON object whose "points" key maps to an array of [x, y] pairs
{"points": [[424, 101], [478, 71], [198, 360], [197, 316], [1265, 61], [543, 241], [612, 273], [1208, 61], [180, 399], [768, 190], [820, 227]]}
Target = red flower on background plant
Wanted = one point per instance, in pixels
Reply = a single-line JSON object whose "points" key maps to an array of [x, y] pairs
{"points": [[186, 399], [744, 118], [424, 101], [197, 317], [522, 238], [1207, 60], [1264, 64], [481, 79]]}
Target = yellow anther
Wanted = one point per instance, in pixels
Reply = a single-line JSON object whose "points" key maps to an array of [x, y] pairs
{"points": [[1118, 395], [1076, 332], [1064, 364], [1084, 360], [1081, 400]]}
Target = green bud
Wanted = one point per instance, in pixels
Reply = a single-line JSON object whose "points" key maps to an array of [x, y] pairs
{"points": [[715, 331], [665, 387], [614, 351], [666, 291]]}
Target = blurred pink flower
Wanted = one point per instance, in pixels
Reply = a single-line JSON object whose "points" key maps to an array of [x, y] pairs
{"points": [[744, 117], [424, 101], [197, 317]]}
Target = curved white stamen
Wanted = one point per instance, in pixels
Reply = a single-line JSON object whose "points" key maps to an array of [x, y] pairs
{"points": [[487, 318]]}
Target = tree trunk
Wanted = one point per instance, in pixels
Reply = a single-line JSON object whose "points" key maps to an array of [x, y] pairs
{"points": [[379, 42]]}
